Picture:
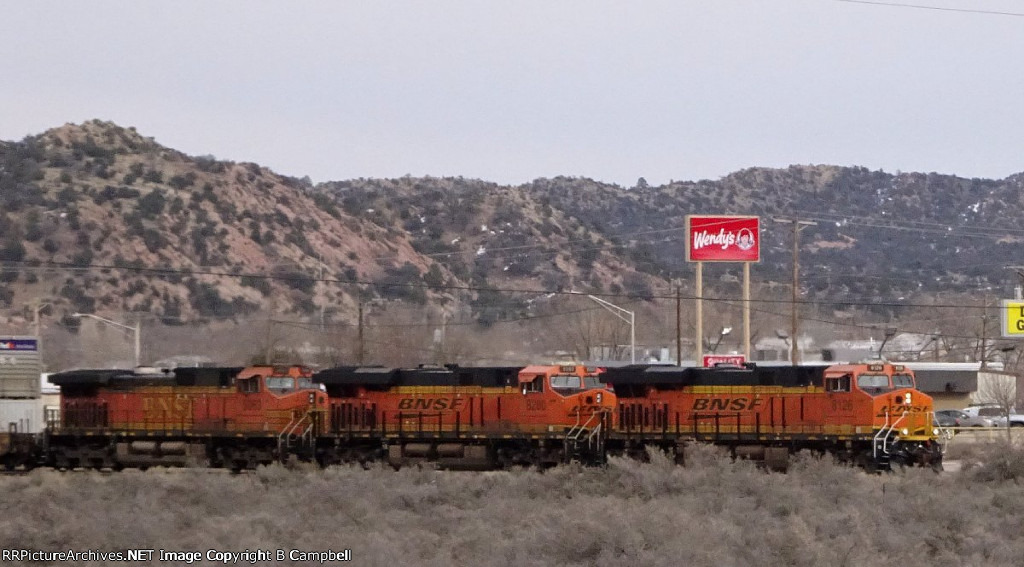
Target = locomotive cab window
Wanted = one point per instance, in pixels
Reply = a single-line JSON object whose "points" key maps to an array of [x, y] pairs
{"points": [[902, 381], [280, 384], [873, 383], [305, 383], [837, 383], [592, 382], [565, 384]]}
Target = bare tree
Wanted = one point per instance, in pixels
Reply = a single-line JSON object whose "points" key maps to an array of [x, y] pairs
{"points": [[582, 332], [999, 390]]}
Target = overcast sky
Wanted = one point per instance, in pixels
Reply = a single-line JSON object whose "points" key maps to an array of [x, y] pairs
{"points": [[512, 91]]}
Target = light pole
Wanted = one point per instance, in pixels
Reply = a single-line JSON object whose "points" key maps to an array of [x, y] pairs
{"points": [[38, 306], [721, 335], [136, 330], [621, 314]]}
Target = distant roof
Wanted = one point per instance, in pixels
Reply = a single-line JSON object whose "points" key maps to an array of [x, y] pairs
{"points": [[947, 381]]}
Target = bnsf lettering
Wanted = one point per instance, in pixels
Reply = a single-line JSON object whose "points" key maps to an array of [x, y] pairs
{"points": [[154, 408], [897, 410], [431, 404], [585, 409], [728, 404]]}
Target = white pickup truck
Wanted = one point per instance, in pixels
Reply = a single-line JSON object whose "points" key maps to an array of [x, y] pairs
{"points": [[995, 413]]}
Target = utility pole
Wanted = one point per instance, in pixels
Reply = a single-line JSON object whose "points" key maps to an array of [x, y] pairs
{"points": [[320, 282], [679, 326], [984, 334], [38, 306], [1020, 274], [362, 351], [269, 352], [798, 225], [138, 339]]}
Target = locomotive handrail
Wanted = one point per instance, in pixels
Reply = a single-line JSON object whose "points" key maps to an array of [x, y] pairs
{"points": [[292, 429], [885, 433], [592, 430], [881, 431], [885, 440]]}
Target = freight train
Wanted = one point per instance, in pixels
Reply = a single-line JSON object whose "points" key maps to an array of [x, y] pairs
{"points": [[478, 417]]}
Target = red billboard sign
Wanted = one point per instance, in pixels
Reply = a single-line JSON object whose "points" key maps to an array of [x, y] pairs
{"points": [[711, 360], [723, 239]]}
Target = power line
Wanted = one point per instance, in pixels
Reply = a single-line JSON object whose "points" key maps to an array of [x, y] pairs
{"points": [[939, 8], [385, 285]]}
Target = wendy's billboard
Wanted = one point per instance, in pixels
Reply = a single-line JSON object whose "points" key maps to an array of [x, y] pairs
{"points": [[723, 239]]}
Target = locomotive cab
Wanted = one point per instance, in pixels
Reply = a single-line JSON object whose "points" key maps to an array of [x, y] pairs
{"points": [[281, 382], [566, 394], [883, 400], [287, 388]]}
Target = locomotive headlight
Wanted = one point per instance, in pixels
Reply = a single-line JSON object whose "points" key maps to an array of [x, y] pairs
{"points": [[907, 398], [599, 397], [905, 431], [935, 431], [312, 398]]}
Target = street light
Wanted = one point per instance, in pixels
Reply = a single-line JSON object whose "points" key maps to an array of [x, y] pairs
{"points": [[721, 335], [621, 314], [38, 306], [136, 330], [890, 332]]}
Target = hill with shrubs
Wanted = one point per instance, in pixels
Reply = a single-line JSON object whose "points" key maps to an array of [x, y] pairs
{"points": [[99, 218]]}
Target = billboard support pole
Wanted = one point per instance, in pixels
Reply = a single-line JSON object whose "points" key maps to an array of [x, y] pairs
{"points": [[746, 310], [699, 323]]}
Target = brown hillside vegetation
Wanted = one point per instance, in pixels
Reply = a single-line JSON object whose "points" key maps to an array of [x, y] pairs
{"points": [[97, 218], [101, 219], [712, 512]]}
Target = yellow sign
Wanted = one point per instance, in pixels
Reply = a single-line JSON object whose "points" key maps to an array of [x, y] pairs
{"points": [[1013, 318]]}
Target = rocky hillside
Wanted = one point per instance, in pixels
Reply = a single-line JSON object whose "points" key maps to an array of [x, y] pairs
{"points": [[99, 218]]}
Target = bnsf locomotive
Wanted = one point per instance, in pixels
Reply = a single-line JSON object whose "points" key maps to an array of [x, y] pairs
{"points": [[870, 414], [221, 417], [466, 417], [481, 417]]}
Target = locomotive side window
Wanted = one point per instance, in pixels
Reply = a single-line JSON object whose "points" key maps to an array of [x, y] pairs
{"points": [[536, 385], [838, 383], [902, 381], [249, 385]]}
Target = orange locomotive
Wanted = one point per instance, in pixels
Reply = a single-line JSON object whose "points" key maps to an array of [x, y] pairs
{"points": [[233, 417], [465, 417], [870, 414]]}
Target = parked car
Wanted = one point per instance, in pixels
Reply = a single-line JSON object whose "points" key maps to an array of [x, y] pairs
{"points": [[957, 418]]}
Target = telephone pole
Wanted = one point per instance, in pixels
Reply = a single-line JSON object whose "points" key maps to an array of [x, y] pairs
{"points": [[362, 351], [798, 225], [679, 326]]}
